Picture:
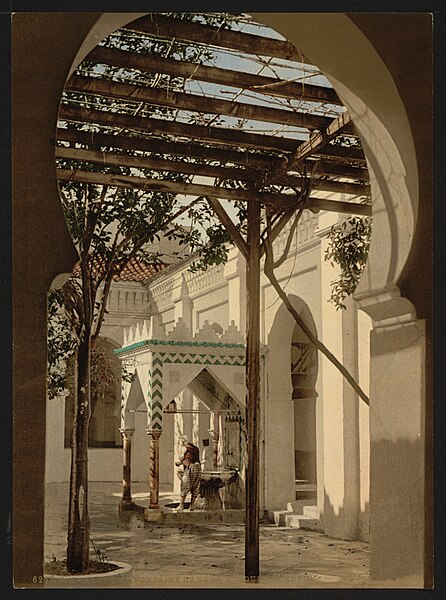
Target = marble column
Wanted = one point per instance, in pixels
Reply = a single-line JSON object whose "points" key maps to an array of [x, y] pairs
{"points": [[154, 478], [215, 435], [126, 500]]}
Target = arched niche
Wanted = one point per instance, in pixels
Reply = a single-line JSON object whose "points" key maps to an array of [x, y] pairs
{"points": [[279, 409]]}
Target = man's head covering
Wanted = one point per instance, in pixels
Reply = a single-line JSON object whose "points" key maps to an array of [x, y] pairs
{"points": [[195, 452]]}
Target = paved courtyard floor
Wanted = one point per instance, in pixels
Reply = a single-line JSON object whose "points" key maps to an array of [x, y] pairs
{"points": [[204, 555]]}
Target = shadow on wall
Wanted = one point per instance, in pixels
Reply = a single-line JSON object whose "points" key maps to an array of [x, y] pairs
{"points": [[398, 519], [341, 525], [398, 514]]}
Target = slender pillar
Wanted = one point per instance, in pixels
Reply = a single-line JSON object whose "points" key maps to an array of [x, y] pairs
{"points": [[215, 433], [154, 480], [126, 500], [253, 393]]}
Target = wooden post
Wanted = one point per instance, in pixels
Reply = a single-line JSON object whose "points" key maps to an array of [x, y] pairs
{"points": [[126, 500], [253, 393], [154, 467]]}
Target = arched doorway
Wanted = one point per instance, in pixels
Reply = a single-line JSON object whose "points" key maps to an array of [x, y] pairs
{"points": [[303, 378], [292, 410]]}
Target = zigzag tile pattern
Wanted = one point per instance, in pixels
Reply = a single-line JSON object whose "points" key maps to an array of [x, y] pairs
{"points": [[156, 389], [155, 378], [203, 359]]}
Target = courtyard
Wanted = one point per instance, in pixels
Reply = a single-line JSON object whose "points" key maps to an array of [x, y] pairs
{"points": [[369, 463], [203, 555]]}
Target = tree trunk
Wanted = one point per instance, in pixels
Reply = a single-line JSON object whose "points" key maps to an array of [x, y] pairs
{"points": [[78, 519]]}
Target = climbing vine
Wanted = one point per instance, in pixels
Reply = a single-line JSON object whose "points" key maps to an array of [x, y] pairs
{"points": [[348, 248]]}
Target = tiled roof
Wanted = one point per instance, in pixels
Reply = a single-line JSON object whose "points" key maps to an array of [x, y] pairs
{"points": [[135, 270]]}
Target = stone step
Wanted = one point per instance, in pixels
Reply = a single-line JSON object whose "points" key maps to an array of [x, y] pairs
{"points": [[166, 516], [279, 517], [310, 511], [300, 521], [297, 506]]}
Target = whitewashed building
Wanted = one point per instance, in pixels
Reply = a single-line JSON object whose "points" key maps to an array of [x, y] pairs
{"points": [[314, 428], [380, 66]]}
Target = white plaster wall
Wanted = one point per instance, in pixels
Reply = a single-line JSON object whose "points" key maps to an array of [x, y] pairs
{"points": [[278, 412], [140, 448], [167, 451], [214, 314], [213, 306], [305, 276], [301, 279], [57, 463], [364, 329], [168, 319], [104, 464], [333, 407], [397, 436], [235, 275]]}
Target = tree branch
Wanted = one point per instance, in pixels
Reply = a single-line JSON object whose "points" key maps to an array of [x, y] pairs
{"points": [[104, 299], [226, 220], [284, 256], [91, 218], [144, 239], [101, 203], [109, 262]]}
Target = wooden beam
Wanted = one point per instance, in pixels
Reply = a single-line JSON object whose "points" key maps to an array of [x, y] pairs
{"points": [[159, 146], [244, 158], [150, 63], [336, 187], [160, 26], [97, 140], [229, 225], [342, 154], [320, 139], [215, 135], [253, 394], [154, 185], [276, 201], [153, 164], [325, 167], [349, 208], [199, 169], [315, 142], [193, 102]]}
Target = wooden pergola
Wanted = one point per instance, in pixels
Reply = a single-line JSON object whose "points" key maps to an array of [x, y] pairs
{"points": [[247, 125]]}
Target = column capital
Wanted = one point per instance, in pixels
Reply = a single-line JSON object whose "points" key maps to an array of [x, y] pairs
{"points": [[386, 307], [126, 432], [154, 433]]}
